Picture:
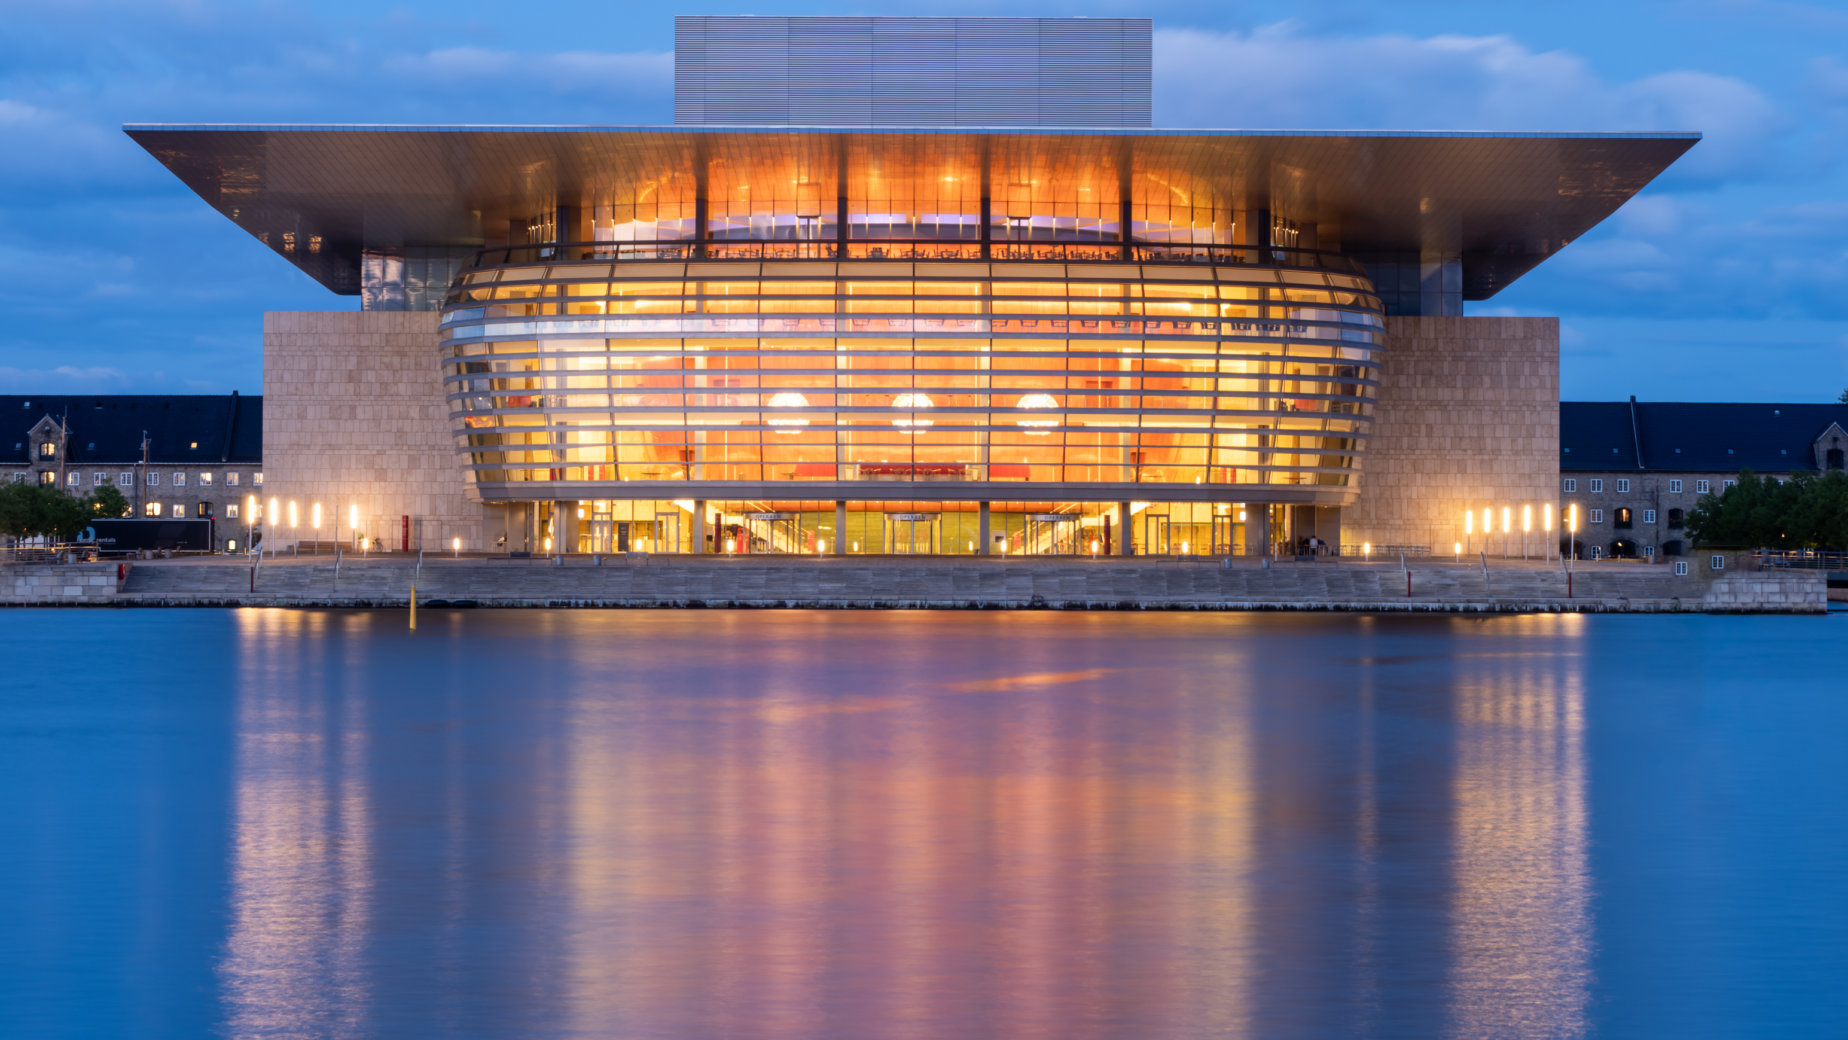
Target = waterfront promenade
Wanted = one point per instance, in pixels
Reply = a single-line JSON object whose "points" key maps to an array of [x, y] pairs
{"points": [[636, 580]]}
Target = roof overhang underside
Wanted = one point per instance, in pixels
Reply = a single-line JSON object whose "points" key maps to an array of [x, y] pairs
{"points": [[1501, 202]]}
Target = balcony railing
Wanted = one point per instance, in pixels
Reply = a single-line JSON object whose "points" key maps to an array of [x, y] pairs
{"points": [[919, 249]]}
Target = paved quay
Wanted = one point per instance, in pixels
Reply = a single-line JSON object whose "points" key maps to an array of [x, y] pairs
{"points": [[915, 582]]}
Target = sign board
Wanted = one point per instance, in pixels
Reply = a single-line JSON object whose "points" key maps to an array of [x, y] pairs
{"points": [[133, 535], [915, 517], [769, 516]]}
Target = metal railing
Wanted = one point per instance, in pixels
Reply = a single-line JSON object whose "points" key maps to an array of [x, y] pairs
{"points": [[917, 249], [1804, 559]]}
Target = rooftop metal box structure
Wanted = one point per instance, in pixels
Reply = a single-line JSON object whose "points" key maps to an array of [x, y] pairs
{"points": [[912, 72]]}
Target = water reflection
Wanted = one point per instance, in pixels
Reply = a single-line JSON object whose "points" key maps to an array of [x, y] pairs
{"points": [[1521, 941], [907, 825], [301, 858]]}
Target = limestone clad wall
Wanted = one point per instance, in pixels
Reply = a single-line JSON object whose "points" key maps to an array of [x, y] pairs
{"points": [[353, 414], [1467, 417]]}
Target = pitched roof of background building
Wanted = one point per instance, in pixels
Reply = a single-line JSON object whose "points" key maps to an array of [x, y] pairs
{"points": [[1716, 438], [107, 428]]}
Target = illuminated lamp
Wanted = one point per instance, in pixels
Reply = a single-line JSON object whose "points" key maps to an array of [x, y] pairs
{"points": [[912, 424], [788, 399], [1035, 402]]}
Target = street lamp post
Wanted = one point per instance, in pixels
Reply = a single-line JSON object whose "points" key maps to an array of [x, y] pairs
{"points": [[1571, 544]]}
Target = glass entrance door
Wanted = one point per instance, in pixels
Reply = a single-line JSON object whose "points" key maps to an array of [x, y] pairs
{"points": [[913, 533], [1155, 535], [1227, 536], [1051, 534], [773, 532], [666, 533], [602, 530]]}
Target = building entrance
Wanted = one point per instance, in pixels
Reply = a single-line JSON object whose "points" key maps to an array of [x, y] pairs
{"points": [[779, 533], [909, 533], [602, 530], [666, 533], [1155, 532], [1228, 536], [1051, 534]]}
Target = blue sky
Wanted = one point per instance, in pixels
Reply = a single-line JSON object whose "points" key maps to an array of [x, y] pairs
{"points": [[1726, 280]]}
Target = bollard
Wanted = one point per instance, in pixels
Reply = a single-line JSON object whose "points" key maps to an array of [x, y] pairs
{"points": [[413, 608]]}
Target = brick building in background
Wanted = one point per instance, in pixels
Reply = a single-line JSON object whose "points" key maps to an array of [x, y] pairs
{"points": [[1635, 470], [174, 456]]}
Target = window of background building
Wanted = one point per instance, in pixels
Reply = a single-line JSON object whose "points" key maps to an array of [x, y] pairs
{"points": [[1674, 487], [153, 479], [1597, 552], [1623, 485], [1649, 516], [1724, 484], [257, 478], [1648, 552], [230, 510], [1701, 487], [1718, 562], [1597, 485], [96, 479], [1621, 517], [179, 480], [205, 480], [1571, 484], [1674, 518], [1597, 516], [48, 450], [48, 478], [179, 509], [230, 480], [1681, 568], [73, 479], [126, 479], [152, 509]]}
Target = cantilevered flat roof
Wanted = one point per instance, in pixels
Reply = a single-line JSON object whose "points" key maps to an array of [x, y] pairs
{"points": [[1502, 201]]}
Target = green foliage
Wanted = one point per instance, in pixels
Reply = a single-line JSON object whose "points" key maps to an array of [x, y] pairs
{"points": [[31, 510], [109, 503], [1842, 399], [1805, 512]]}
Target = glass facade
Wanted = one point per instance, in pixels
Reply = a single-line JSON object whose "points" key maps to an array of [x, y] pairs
{"points": [[877, 381], [816, 527]]}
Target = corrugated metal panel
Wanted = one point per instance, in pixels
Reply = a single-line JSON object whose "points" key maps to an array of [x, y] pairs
{"points": [[924, 72]]}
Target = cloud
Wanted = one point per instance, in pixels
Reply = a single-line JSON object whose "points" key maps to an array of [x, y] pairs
{"points": [[1277, 77], [67, 379]]}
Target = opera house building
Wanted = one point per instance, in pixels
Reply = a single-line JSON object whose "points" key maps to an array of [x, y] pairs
{"points": [[896, 285]]}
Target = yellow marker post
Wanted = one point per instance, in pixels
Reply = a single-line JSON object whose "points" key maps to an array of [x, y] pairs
{"points": [[413, 608]]}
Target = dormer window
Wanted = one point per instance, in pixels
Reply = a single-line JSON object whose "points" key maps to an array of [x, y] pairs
{"points": [[48, 450]]}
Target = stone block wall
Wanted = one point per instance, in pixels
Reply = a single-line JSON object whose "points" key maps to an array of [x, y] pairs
{"points": [[1467, 418], [353, 414], [77, 585]]}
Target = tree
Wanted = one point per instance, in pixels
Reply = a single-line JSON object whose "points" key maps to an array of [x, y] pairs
{"points": [[1805, 512], [108, 502], [31, 510], [1842, 399]]}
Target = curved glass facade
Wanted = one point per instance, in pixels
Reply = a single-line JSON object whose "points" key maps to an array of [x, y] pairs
{"points": [[893, 381]]}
